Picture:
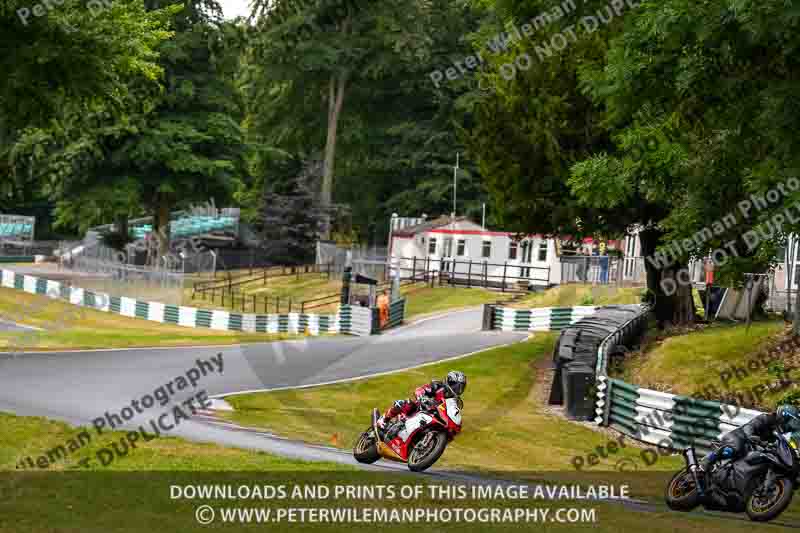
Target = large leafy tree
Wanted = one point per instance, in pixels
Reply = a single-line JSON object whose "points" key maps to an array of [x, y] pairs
{"points": [[648, 121], [60, 72], [316, 55], [531, 126], [178, 144], [396, 135], [191, 146], [534, 121], [703, 100]]}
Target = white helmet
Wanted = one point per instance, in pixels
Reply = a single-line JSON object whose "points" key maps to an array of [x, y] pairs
{"points": [[457, 381]]}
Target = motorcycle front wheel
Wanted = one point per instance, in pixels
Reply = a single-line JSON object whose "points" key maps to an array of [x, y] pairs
{"points": [[765, 503], [681, 493], [427, 451], [366, 448]]}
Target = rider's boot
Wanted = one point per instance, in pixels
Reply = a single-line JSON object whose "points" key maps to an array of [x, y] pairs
{"points": [[702, 478]]}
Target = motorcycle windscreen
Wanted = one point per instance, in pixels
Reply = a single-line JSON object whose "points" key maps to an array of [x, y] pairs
{"points": [[454, 410], [787, 456]]}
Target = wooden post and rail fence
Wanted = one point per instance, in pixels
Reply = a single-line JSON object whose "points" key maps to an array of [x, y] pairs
{"points": [[414, 273]]}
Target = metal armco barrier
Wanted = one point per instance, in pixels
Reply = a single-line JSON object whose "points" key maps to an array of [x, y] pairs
{"points": [[542, 319], [667, 420], [349, 319], [356, 320], [17, 259], [397, 312]]}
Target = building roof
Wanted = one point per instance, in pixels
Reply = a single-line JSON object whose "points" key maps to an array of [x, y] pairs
{"points": [[428, 225], [441, 223]]}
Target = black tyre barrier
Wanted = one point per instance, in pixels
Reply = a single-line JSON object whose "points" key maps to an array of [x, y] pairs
{"points": [[581, 357], [580, 352]]}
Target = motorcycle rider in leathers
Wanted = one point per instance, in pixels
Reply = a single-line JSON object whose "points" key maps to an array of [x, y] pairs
{"points": [[734, 444], [426, 396]]}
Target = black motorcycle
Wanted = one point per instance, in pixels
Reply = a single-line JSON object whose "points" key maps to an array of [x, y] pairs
{"points": [[761, 483]]}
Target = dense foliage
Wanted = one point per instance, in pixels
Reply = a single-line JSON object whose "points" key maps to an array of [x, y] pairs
{"points": [[576, 118]]}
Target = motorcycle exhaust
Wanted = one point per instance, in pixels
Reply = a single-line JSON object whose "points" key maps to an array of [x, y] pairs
{"points": [[691, 458], [691, 462]]}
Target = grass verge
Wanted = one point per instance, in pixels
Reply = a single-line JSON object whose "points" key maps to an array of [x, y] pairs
{"points": [[136, 493], [574, 294], [24, 437], [723, 361]]}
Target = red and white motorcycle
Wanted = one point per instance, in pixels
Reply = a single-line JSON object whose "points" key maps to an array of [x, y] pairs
{"points": [[420, 443]]}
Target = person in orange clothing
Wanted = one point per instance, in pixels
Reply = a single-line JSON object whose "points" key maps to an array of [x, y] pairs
{"points": [[383, 308]]}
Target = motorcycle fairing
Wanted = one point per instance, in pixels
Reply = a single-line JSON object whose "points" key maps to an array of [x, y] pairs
{"points": [[724, 494], [413, 424], [788, 457], [731, 481]]}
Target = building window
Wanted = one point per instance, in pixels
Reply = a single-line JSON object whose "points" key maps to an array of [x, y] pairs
{"points": [[527, 250], [512, 250], [543, 251], [448, 247], [461, 247], [486, 251], [432, 246]]}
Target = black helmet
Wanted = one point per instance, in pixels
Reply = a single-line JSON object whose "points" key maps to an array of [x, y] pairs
{"points": [[788, 418], [457, 381]]}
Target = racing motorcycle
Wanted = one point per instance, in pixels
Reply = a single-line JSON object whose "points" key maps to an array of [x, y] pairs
{"points": [[761, 483], [422, 440]]}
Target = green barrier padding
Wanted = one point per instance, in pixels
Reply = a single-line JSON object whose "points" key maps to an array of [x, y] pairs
{"points": [[171, 314], [235, 322], [203, 318]]}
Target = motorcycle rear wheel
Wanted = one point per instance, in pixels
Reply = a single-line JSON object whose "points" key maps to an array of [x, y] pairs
{"points": [[762, 508], [366, 448], [419, 459], [681, 493]]}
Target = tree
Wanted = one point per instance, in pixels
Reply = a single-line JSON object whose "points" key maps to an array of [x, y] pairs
{"points": [[60, 72], [532, 131], [117, 200], [397, 139], [191, 147], [291, 219], [314, 53], [663, 119], [528, 129], [713, 88]]}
